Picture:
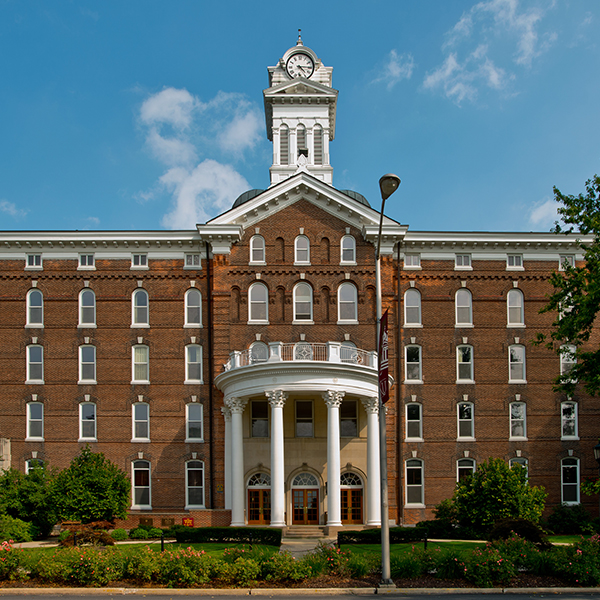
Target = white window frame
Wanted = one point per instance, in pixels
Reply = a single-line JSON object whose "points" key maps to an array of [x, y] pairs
{"points": [[414, 464], [419, 422], [347, 303], [515, 420], [459, 362], [87, 362], [514, 262], [570, 462], [193, 261], [567, 358], [134, 364], [416, 304], [31, 421], [138, 319], [87, 262], [463, 262], [565, 258], [29, 464], [257, 244], [135, 420], [192, 323], [512, 308], [139, 261], [297, 250], [565, 420], [141, 465], [459, 309], [84, 309], [88, 438], [34, 262], [412, 261], [522, 462], [197, 363], [31, 363], [31, 320], [252, 303], [460, 420], [412, 363], [189, 421], [309, 319], [189, 505], [464, 464], [517, 351], [348, 250]]}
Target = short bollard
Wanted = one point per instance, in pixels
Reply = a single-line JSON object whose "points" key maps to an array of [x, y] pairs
{"points": [[74, 538], [162, 540]]}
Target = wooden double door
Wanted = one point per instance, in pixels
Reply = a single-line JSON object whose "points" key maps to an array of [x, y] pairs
{"points": [[259, 507], [305, 506], [352, 505]]}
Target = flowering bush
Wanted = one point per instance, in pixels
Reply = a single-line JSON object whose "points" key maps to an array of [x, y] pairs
{"points": [[11, 563], [284, 567], [486, 567]]}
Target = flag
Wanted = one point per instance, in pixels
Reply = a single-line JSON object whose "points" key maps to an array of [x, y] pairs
{"points": [[384, 388]]}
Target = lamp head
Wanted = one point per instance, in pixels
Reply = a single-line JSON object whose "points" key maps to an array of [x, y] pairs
{"points": [[388, 184], [597, 452]]}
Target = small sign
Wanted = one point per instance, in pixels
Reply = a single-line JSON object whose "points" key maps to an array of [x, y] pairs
{"points": [[220, 488], [384, 387], [187, 521]]}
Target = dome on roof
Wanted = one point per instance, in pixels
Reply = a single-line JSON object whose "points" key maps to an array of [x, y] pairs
{"points": [[356, 196], [246, 196]]}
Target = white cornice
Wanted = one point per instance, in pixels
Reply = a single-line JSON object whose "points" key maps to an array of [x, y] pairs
{"points": [[220, 236]]}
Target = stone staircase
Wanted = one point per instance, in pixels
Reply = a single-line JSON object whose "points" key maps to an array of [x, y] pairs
{"points": [[304, 531]]}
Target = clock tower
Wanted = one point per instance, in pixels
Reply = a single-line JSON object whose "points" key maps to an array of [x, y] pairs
{"points": [[300, 107]]}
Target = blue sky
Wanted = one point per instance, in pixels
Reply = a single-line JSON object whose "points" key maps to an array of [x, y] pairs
{"points": [[148, 114]]}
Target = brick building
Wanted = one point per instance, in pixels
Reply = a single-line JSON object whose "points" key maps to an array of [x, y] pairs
{"points": [[230, 369]]}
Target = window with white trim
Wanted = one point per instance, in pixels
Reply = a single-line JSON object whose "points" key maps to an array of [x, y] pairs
{"points": [[514, 306], [35, 364], [462, 261], [35, 308], [194, 422], [412, 308], [87, 421], [304, 418], [414, 421], [569, 427], [193, 363], [348, 249], [32, 464], [464, 308], [259, 414], [565, 261], [414, 481], [348, 418], [193, 308], [568, 359], [518, 421], [569, 480], [522, 462], [140, 308], [412, 363], [258, 303], [139, 261], [140, 415], [34, 262], [347, 303], [412, 261], [87, 308], [514, 262], [465, 467], [194, 484], [141, 488], [464, 364], [86, 261], [303, 302], [140, 364], [35, 421], [516, 364], [257, 249], [465, 420], [87, 364], [192, 261], [302, 250]]}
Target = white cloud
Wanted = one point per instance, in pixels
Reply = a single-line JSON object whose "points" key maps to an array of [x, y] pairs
{"points": [[543, 214], [171, 106], [170, 151], [396, 68], [242, 133], [11, 209]]}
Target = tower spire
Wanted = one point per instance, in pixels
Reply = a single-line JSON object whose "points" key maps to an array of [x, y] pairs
{"points": [[299, 42]]}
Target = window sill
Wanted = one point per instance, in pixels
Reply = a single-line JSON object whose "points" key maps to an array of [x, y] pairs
{"points": [[34, 439], [413, 381], [141, 507], [465, 439], [413, 439], [348, 322], [193, 382], [419, 505], [193, 506], [258, 322], [140, 326], [86, 268], [465, 381], [87, 326], [34, 382], [87, 439], [463, 268], [194, 440], [517, 439], [411, 268], [140, 382], [302, 264], [516, 325], [515, 268], [140, 440], [192, 268], [303, 322], [34, 326], [570, 438], [464, 326], [192, 326], [517, 381], [141, 268], [413, 325], [86, 382], [34, 268], [257, 263], [348, 263]]}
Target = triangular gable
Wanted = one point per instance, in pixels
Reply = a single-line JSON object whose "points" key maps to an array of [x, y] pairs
{"points": [[300, 87]]}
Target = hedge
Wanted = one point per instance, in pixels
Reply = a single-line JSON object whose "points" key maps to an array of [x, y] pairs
{"points": [[373, 536], [225, 535]]}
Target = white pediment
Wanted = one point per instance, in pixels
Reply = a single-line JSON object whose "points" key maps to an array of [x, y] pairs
{"points": [[300, 87]]}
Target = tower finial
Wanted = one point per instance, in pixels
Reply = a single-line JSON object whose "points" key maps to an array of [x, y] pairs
{"points": [[299, 42]]}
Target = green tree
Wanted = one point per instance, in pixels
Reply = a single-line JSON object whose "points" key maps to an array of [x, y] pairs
{"points": [[496, 491], [576, 295], [91, 489]]}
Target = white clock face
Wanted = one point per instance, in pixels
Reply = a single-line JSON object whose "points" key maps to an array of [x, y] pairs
{"points": [[300, 65]]}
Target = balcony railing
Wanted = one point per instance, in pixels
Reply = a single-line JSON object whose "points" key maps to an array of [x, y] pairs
{"points": [[334, 352]]}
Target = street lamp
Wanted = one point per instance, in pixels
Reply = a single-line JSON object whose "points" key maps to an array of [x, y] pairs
{"points": [[388, 184]]}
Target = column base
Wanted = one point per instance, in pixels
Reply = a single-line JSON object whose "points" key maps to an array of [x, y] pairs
{"points": [[331, 529], [241, 524], [373, 523]]}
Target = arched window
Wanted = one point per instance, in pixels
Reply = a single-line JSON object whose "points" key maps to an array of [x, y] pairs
{"points": [[193, 363], [140, 308], [35, 308], [318, 145], [257, 249], [414, 481], [32, 464], [412, 307], [194, 484], [414, 421], [302, 250], [347, 303], [412, 364], [193, 308], [305, 480], [464, 308], [516, 360], [465, 420], [570, 480], [464, 363], [259, 352], [140, 421], [303, 302], [464, 468], [518, 421], [87, 364], [301, 140], [284, 145], [522, 462], [348, 249], [141, 488], [87, 308], [258, 305], [514, 307]]}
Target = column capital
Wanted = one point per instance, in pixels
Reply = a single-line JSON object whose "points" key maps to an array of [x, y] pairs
{"points": [[333, 398], [226, 412], [276, 398], [236, 405], [371, 404]]}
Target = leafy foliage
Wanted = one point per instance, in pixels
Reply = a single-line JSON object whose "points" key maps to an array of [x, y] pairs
{"points": [[570, 519]]}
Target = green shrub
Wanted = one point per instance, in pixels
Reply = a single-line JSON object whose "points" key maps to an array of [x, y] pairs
{"points": [[527, 530], [155, 532], [225, 535], [335, 559], [284, 567], [11, 563], [119, 534], [448, 564], [398, 535], [184, 568], [143, 566], [138, 534], [409, 565], [570, 519], [14, 529], [487, 567], [63, 535], [359, 566]]}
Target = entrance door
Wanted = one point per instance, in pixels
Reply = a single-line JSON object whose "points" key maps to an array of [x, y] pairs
{"points": [[306, 507], [352, 510], [259, 507]]}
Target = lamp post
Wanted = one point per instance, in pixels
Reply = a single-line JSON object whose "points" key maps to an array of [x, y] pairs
{"points": [[388, 184], [597, 457]]}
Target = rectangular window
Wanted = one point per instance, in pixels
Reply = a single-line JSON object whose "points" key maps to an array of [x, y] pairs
{"points": [[35, 364], [570, 480], [348, 419], [304, 418], [141, 484], [193, 364], [463, 261], [35, 420], [192, 261], [517, 420], [86, 261], [141, 421], [87, 421], [87, 364], [194, 423], [569, 429], [567, 260], [412, 260], [516, 358], [414, 423], [464, 363], [514, 261], [465, 421], [195, 484], [413, 363], [414, 481], [139, 260], [140, 364], [260, 418], [34, 261], [465, 467], [567, 359]]}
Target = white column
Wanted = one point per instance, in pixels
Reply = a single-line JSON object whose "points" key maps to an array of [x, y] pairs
{"points": [[277, 400], [227, 416], [293, 147], [237, 405], [325, 146], [276, 152], [373, 484], [310, 142], [333, 399]]}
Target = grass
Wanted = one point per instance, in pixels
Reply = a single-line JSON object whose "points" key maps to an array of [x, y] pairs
{"points": [[400, 549], [566, 539]]}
